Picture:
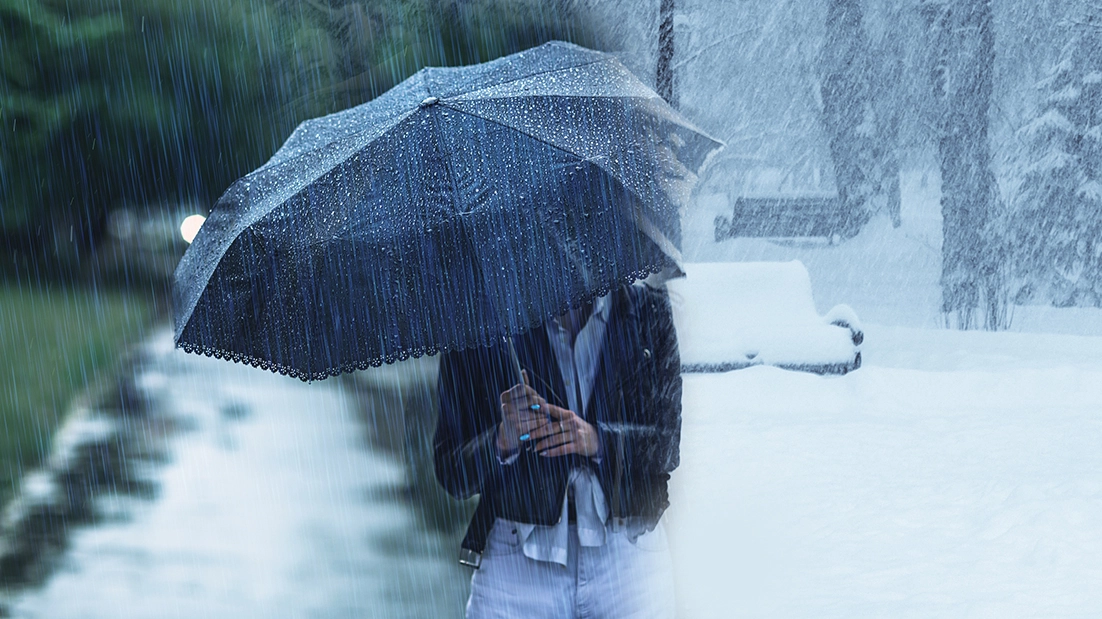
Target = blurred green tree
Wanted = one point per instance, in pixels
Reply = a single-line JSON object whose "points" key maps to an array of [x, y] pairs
{"points": [[105, 102], [375, 44]]}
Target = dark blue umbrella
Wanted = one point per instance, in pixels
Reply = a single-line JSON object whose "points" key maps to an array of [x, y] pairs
{"points": [[462, 206]]}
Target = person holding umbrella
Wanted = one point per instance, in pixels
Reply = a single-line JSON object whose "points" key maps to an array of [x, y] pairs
{"points": [[499, 214], [572, 467]]}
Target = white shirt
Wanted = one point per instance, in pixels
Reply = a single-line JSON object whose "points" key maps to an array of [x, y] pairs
{"points": [[577, 364]]}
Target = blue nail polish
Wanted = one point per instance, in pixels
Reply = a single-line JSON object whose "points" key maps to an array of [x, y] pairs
{"points": [[535, 407], [525, 437]]}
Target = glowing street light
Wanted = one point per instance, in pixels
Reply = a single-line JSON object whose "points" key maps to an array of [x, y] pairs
{"points": [[190, 227]]}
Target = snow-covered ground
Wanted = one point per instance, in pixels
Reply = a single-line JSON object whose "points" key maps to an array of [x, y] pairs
{"points": [[959, 478], [957, 474]]}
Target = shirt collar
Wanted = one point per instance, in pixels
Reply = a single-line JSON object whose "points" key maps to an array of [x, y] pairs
{"points": [[601, 310]]}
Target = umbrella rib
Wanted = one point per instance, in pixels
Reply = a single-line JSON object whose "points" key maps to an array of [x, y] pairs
{"points": [[392, 122], [466, 93], [457, 94], [340, 161], [510, 127], [538, 139], [675, 118], [645, 225]]}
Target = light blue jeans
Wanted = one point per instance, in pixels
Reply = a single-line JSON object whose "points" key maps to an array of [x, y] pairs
{"points": [[621, 579]]}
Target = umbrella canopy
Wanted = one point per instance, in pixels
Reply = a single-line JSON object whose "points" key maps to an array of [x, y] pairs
{"points": [[463, 205]]}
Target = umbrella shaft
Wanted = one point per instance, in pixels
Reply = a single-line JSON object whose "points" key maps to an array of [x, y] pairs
{"points": [[516, 361], [516, 365]]}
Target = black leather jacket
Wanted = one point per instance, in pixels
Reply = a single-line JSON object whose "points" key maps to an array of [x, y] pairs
{"points": [[635, 406]]}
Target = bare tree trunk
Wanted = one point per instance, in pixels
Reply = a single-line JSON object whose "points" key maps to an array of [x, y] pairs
{"points": [[961, 75], [664, 75], [888, 111], [847, 112]]}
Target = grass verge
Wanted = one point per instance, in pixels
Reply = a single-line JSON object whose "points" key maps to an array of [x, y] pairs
{"points": [[54, 343]]}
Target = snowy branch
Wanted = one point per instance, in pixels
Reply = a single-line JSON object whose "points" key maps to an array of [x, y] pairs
{"points": [[713, 44], [1082, 24]]}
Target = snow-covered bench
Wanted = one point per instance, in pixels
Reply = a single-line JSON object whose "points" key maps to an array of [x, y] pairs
{"points": [[733, 315], [788, 216]]}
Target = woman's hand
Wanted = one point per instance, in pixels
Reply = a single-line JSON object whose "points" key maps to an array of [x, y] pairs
{"points": [[528, 417], [565, 433], [523, 411]]}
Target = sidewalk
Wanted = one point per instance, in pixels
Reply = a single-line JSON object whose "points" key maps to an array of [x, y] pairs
{"points": [[272, 503]]}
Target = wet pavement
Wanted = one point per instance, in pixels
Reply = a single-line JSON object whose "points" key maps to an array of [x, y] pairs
{"points": [[273, 500]]}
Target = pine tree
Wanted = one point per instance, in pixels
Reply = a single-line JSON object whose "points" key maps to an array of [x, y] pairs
{"points": [[1055, 225], [106, 103]]}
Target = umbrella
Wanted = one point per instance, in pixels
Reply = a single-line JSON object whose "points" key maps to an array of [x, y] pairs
{"points": [[464, 205]]}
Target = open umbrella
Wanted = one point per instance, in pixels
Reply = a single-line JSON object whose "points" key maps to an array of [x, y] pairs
{"points": [[462, 206]]}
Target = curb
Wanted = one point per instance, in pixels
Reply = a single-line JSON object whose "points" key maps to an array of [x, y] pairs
{"points": [[105, 447]]}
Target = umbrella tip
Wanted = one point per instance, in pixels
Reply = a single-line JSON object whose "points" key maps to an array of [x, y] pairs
{"points": [[429, 101]]}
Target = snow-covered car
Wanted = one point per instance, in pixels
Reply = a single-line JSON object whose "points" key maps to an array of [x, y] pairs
{"points": [[733, 315]]}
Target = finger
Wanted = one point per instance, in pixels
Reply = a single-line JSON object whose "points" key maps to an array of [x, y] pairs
{"points": [[558, 413], [519, 426], [524, 375], [546, 428], [528, 408], [519, 414], [562, 450], [531, 427], [516, 392], [519, 392], [554, 441], [527, 414], [536, 404], [518, 388]]}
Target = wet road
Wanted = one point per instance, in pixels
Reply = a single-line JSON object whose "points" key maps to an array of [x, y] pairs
{"points": [[272, 504]]}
